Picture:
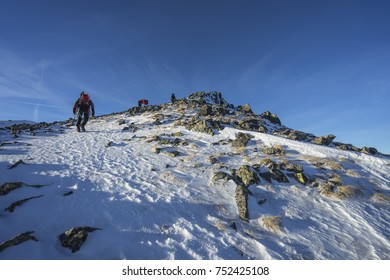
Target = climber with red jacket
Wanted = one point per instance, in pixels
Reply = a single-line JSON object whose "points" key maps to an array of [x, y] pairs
{"points": [[82, 108]]}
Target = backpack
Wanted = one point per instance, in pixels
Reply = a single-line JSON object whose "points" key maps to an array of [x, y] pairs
{"points": [[84, 102]]}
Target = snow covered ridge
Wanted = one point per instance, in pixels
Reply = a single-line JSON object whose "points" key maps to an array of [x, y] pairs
{"points": [[197, 179]]}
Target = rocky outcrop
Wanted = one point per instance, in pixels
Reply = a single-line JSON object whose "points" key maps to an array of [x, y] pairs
{"points": [[241, 140], [8, 187], [247, 175], [220, 175], [324, 140], [271, 117], [293, 134], [242, 202], [16, 164], [205, 110], [12, 207], [369, 150], [274, 150], [23, 237], [202, 125], [75, 237], [272, 223]]}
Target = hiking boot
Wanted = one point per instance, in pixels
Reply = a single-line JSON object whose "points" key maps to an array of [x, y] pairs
{"points": [[83, 128], [78, 128]]}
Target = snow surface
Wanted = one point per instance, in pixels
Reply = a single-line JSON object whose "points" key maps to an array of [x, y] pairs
{"points": [[152, 206]]}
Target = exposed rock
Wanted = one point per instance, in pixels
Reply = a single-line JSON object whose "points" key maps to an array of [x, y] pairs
{"points": [[205, 125], [233, 225], [301, 178], [268, 163], [12, 207], [274, 150], [75, 237], [272, 223], [293, 134], [121, 122], [23, 237], [380, 197], [344, 192], [8, 187], [271, 117], [247, 175], [241, 140], [344, 147], [335, 180], [242, 202], [68, 193], [205, 110], [213, 159], [291, 167], [250, 124], [177, 134], [171, 153], [266, 176], [337, 192], [220, 175], [278, 175], [324, 140], [209, 98], [16, 164], [247, 109], [369, 150]]}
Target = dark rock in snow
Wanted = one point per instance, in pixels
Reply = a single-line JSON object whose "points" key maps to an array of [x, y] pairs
{"points": [[8, 187], [75, 237], [16, 164], [23, 237], [12, 207]]}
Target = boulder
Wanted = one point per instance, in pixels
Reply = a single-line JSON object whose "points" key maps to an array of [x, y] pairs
{"points": [[274, 150], [242, 202], [271, 117], [247, 175], [369, 150], [324, 140], [291, 167], [247, 109], [204, 126], [75, 237], [241, 140]]}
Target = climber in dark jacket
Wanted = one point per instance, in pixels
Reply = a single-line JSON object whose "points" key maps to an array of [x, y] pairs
{"points": [[82, 107]]}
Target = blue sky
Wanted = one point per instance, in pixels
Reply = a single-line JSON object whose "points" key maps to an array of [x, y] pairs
{"points": [[322, 66]]}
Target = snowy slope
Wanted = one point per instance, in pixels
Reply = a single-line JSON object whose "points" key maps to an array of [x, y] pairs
{"points": [[150, 205]]}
